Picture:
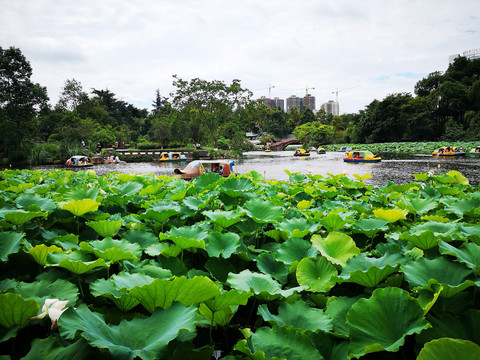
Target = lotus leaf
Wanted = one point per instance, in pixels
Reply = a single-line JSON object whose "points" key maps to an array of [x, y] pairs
{"points": [[391, 215], [121, 298], [50, 348], [439, 229], [40, 252], [83, 192], [112, 250], [294, 250], [75, 262], [128, 189], [20, 217], [278, 343], [336, 247], [221, 309], [218, 244], [333, 222], [469, 254], [459, 178], [470, 232], [44, 204], [370, 226], [106, 228], [223, 218], [337, 309], [236, 186], [81, 207], [297, 227], [267, 264], [316, 274], [141, 237], [449, 349], [146, 338], [221, 317], [206, 181], [298, 315], [260, 284], [162, 212], [424, 240], [263, 211], [421, 206], [383, 321], [460, 206], [454, 277], [9, 243], [187, 236], [15, 310], [162, 292], [368, 271]]}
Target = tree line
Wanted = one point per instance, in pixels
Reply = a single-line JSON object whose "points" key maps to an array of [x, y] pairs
{"points": [[213, 113]]}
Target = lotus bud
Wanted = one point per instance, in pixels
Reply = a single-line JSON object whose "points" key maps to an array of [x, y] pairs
{"points": [[54, 308]]}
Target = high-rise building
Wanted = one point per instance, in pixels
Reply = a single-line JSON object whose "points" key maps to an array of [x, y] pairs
{"points": [[274, 103], [470, 55], [294, 101], [309, 102], [331, 107]]}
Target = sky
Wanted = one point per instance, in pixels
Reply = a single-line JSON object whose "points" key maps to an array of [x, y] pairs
{"points": [[358, 50]]}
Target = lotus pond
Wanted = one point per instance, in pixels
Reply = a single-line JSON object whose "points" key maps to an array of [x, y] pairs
{"points": [[124, 266]]}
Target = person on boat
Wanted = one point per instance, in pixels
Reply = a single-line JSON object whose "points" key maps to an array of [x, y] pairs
{"points": [[117, 159], [68, 162], [220, 169]]}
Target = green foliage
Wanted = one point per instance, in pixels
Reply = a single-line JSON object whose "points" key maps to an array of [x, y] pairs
{"points": [[155, 267]]}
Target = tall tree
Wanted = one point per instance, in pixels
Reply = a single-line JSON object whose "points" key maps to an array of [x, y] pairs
{"points": [[20, 100], [214, 101], [72, 95]]}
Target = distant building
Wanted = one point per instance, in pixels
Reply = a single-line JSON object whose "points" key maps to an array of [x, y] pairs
{"points": [[301, 103], [274, 103], [331, 107], [470, 55], [309, 102]]}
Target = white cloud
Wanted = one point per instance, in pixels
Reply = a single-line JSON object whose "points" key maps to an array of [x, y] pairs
{"points": [[367, 49]]}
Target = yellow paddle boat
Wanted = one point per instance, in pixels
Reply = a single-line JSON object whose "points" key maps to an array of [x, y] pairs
{"points": [[361, 156]]}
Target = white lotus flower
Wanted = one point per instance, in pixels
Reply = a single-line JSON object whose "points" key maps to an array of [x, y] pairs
{"points": [[53, 308]]}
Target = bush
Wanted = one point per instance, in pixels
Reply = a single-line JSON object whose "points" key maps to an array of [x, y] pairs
{"points": [[40, 152]]}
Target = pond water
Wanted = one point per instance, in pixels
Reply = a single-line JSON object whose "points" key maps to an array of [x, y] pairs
{"points": [[394, 167]]}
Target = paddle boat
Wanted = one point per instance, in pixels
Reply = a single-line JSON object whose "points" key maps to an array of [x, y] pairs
{"points": [[78, 161], [449, 151], [301, 152], [361, 156], [198, 167], [475, 151], [344, 149], [321, 150], [172, 156]]}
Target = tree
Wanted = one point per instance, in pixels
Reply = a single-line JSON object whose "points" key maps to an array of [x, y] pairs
{"points": [[160, 104], [214, 101], [314, 133], [20, 100], [72, 95]]}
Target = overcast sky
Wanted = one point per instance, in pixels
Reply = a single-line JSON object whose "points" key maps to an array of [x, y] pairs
{"points": [[364, 49]]}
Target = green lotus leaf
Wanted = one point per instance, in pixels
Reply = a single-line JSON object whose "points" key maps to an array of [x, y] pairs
{"points": [[421, 206], [43, 289], [162, 292], [40, 252], [9, 243], [336, 247], [298, 315], [296, 178], [444, 230], [218, 244], [20, 217], [112, 250], [383, 321], [468, 254], [196, 203], [141, 237], [236, 186], [452, 276], [424, 240], [81, 207], [391, 215], [221, 317], [75, 262], [294, 250], [206, 181], [221, 309], [82, 192], [144, 338], [363, 177], [154, 189], [316, 274], [370, 226], [106, 228], [278, 343], [449, 349], [261, 285], [128, 189], [263, 211], [223, 218], [120, 297], [51, 348], [162, 212], [332, 222], [187, 236], [44, 204], [459, 178], [15, 310], [460, 206], [421, 177], [368, 271], [297, 227], [337, 309], [470, 232], [267, 264]]}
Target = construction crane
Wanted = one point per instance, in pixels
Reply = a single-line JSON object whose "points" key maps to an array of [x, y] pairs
{"points": [[336, 92], [306, 94], [270, 87]]}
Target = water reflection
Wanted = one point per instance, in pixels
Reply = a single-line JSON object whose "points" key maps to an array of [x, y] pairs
{"points": [[398, 169]]}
